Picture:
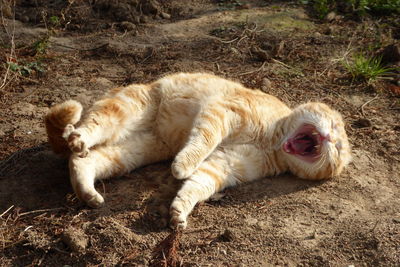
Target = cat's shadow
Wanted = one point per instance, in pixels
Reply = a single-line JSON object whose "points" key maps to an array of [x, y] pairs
{"points": [[35, 179]]}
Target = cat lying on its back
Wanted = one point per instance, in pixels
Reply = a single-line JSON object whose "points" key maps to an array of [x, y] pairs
{"points": [[217, 132]]}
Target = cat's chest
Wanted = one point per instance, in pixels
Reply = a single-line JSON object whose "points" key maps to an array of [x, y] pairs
{"points": [[175, 120]]}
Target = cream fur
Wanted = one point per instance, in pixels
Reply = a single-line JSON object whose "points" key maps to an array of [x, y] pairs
{"points": [[217, 132]]}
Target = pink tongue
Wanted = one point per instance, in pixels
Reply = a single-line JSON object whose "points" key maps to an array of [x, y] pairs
{"points": [[300, 145]]}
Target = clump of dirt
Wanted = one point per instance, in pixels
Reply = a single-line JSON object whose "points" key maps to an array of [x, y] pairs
{"points": [[166, 252], [75, 239], [86, 16]]}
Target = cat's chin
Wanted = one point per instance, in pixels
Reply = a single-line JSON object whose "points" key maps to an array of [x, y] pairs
{"points": [[306, 143]]}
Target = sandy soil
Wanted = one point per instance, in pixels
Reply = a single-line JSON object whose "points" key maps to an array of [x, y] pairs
{"points": [[277, 221]]}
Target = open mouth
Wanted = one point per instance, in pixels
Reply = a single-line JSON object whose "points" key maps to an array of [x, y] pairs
{"points": [[306, 143]]}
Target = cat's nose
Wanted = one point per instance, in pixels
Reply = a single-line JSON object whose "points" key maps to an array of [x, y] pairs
{"points": [[326, 137]]}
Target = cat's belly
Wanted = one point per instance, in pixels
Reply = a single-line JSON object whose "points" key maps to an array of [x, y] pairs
{"points": [[175, 119]]}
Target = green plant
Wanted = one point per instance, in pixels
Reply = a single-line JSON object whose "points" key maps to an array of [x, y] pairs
{"points": [[25, 69], [40, 46], [360, 7], [54, 21], [381, 6], [218, 31], [367, 68], [322, 8], [228, 4]]}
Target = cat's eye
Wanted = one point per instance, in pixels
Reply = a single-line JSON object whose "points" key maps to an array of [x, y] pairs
{"points": [[338, 146]]}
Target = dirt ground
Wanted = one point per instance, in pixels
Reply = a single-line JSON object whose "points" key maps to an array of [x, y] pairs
{"points": [[88, 47]]}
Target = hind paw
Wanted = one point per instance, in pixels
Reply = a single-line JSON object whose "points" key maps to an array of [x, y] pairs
{"points": [[77, 145], [94, 201], [67, 131], [92, 198]]}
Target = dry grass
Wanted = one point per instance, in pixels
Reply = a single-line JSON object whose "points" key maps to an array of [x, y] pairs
{"points": [[11, 55], [165, 253]]}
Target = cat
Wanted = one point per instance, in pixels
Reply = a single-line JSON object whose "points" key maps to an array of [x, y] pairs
{"points": [[217, 132]]}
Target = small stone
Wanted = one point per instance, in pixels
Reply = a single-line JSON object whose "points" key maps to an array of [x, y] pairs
{"points": [[227, 236], [261, 225], [266, 85], [75, 239], [23, 109], [331, 16], [328, 30], [362, 123], [6, 9], [390, 54], [24, 19], [136, 20], [143, 19], [260, 53], [78, 72], [244, 6], [151, 7], [101, 82], [165, 15], [251, 221], [127, 26]]}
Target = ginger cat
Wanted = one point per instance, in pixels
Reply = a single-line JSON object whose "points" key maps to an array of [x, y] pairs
{"points": [[217, 132]]}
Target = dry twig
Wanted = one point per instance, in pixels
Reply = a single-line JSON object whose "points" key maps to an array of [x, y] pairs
{"points": [[366, 103], [4, 213], [166, 252], [253, 71], [12, 56], [79, 49], [38, 211]]}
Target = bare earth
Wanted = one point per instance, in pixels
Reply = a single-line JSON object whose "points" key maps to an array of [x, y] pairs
{"points": [[277, 221]]}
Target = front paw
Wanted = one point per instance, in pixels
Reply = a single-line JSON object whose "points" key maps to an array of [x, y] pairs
{"points": [[76, 145], [178, 220], [181, 170]]}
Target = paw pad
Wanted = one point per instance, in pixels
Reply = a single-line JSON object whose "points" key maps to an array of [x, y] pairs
{"points": [[77, 145], [178, 221]]}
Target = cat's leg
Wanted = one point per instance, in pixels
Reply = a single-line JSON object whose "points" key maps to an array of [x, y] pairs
{"points": [[212, 176], [209, 129], [113, 118], [223, 168], [113, 160]]}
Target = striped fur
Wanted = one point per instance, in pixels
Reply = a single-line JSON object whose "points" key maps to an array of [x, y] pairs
{"points": [[217, 132]]}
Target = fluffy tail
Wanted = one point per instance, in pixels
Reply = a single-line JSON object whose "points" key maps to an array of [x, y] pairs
{"points": [[57, 119]]}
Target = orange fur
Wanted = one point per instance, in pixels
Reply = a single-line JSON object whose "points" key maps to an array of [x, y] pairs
{"points": [[217, 132]]}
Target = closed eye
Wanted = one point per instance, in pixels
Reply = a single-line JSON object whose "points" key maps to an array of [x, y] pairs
{"points": [[338, 146]]}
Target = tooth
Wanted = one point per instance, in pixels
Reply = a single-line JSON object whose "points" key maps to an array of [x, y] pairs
{"points": [[314, 133], [317, 146]]}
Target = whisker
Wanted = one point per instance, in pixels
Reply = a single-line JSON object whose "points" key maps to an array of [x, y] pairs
{"points": [[321, 161]]}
